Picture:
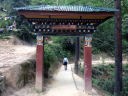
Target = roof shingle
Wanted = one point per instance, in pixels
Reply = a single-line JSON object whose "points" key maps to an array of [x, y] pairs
{"points": [[69, 8]]}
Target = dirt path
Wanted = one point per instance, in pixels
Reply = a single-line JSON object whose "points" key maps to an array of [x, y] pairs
{"points": [[62, 85], [68, 84]]}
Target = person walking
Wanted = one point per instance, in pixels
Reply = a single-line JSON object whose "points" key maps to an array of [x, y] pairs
{"points": [[65, 62]]}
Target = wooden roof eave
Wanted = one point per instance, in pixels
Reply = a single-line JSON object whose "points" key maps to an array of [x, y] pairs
{"points": [[103, 21], [65, 15]]}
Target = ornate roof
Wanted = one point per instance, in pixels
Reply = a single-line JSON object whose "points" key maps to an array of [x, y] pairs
{"points": [[65, 20], [68, 8]]}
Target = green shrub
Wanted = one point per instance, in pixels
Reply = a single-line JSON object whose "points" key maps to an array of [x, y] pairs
{"points": [[103, 77], [50, 58], [60, 53], [24, 34], [53, 53], [103, 39], [24, 30], [67, 43]]}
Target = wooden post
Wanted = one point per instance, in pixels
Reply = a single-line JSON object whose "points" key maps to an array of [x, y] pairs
{"points": [[39, 64], [77, 54], [88, 64], [118, 49]]}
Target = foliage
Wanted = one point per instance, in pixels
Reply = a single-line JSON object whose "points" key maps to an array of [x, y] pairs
{"points": [[67, 43], [50, 58], [52, 54], [24, 34], [10, 4], [4, 23], [103, 76], [24, 30], [125, 80], [60, 53], [103, 40], [125, 33]]}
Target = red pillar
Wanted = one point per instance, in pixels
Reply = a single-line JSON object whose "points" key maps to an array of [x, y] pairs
{"points": [[88, 65], [39, 64]]}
